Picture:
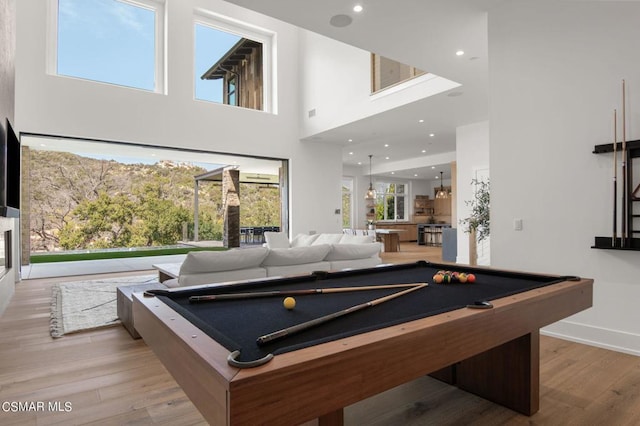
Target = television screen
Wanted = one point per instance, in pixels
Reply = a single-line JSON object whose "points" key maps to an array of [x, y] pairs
{"points": [[13, 168], [10, 163]]}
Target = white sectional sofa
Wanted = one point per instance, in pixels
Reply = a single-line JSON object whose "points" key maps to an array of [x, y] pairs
{"points": [[279, 257]]}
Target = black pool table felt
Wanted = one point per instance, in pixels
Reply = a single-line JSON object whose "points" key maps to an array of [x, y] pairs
{"points": [[236, 324]]}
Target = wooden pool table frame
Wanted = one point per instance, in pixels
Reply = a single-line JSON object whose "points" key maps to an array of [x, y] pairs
{"points": [[493, 353]]}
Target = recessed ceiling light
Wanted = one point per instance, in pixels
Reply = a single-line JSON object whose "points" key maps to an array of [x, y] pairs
{"points": [[437, 177], [460, 53], [42, 144], [431, 135], [393, 173], [424, 150], [351, 153], [350, 140], [386, 158], [433, 167], [386, 145], [359, 163], [357, 8], [421, 121], [415, 174]]}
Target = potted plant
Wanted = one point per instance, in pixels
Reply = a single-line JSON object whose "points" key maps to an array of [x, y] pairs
{"points": [[477, 225]]}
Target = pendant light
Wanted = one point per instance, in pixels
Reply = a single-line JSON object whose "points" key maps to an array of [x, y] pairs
{"points": [[371, 193], [442, 193]]}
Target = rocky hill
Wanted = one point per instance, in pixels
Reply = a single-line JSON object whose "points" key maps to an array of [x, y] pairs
{"points": [[77, 202]]}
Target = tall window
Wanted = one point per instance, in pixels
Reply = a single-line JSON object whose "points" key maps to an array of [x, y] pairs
{"points": [[111, 41], [386, 72], [231, 91], [347, 198], [232, 63], [391, 204]]}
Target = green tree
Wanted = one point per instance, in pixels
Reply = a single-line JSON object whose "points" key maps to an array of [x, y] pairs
{"points": [[158, 220], [101, 223]]}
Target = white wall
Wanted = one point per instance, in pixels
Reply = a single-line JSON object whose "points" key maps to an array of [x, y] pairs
{"points": [[10, 278], [555, 78], [336, 82], [472, 157], [71, 107]]}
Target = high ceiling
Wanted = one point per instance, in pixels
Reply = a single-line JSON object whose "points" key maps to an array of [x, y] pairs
{"points": [[422, 33]]}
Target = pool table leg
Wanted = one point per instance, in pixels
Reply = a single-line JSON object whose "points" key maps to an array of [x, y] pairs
{"points": [[335, 418], [508, 374]]}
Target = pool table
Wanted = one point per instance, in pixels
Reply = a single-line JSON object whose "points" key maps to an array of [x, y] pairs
{"points": [[492, 352]]}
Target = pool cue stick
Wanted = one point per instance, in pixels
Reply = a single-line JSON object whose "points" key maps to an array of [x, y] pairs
{"points": [[615, 178], [623, 241], [321, 320], [254, 295]]}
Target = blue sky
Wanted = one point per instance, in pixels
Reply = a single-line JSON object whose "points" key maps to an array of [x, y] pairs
{"points": [[106, 40], [210, 43], [114, 42]]}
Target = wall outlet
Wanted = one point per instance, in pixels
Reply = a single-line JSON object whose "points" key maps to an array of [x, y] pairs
{"points": [[517, 224]]}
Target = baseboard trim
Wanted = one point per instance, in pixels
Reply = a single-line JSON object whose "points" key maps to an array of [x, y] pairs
{"points": [[615, 340]]}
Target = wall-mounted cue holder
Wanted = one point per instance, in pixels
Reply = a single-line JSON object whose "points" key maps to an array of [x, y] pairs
{"points": [[626, 235]]}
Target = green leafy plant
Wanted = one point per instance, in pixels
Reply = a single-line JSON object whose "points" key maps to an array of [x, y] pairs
{"points": [[479, 220]]}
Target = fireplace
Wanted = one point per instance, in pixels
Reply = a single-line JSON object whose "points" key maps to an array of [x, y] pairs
{"points": [[5, 252]]}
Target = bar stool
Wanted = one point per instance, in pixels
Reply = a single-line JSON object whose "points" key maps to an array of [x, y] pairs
{"points": [[430, 236], [438, 236]]}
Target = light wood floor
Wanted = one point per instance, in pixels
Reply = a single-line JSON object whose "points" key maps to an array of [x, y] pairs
{"points": [[111, 379]]}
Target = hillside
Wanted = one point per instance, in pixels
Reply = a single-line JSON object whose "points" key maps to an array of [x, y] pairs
{"points": [[83, 203]]}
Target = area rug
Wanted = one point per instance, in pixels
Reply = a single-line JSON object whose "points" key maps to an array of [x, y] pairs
{"points": [[88, 305]]}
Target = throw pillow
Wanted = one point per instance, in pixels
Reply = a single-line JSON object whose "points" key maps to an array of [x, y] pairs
{"points": [[303, 240], [296, 255], [276, 240], [328, 239]]}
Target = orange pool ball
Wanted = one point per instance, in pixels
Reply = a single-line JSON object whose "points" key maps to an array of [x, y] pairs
{"points": [[471, 278]]}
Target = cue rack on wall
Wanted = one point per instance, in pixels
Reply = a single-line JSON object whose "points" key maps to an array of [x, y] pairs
{"points": [[626, 236]]}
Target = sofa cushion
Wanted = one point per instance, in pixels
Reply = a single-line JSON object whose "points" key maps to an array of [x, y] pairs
{"points": [[327, 239], [276, 240], [216, 261], [353, 251], [369, 262], [305, 268], [296, 255], [357, 239], [303, 240], [222, 276]]}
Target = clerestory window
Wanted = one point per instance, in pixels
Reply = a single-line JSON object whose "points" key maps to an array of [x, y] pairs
{"points": [[232, 62], [119, 42]]}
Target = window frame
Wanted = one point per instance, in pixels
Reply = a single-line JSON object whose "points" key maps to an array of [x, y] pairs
{"points": [[347, 189], [383, 195], [160, 35], [232, 82], [245, 30]]}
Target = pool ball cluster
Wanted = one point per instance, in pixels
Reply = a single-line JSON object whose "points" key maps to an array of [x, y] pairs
{"points": [[448, 277]]}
